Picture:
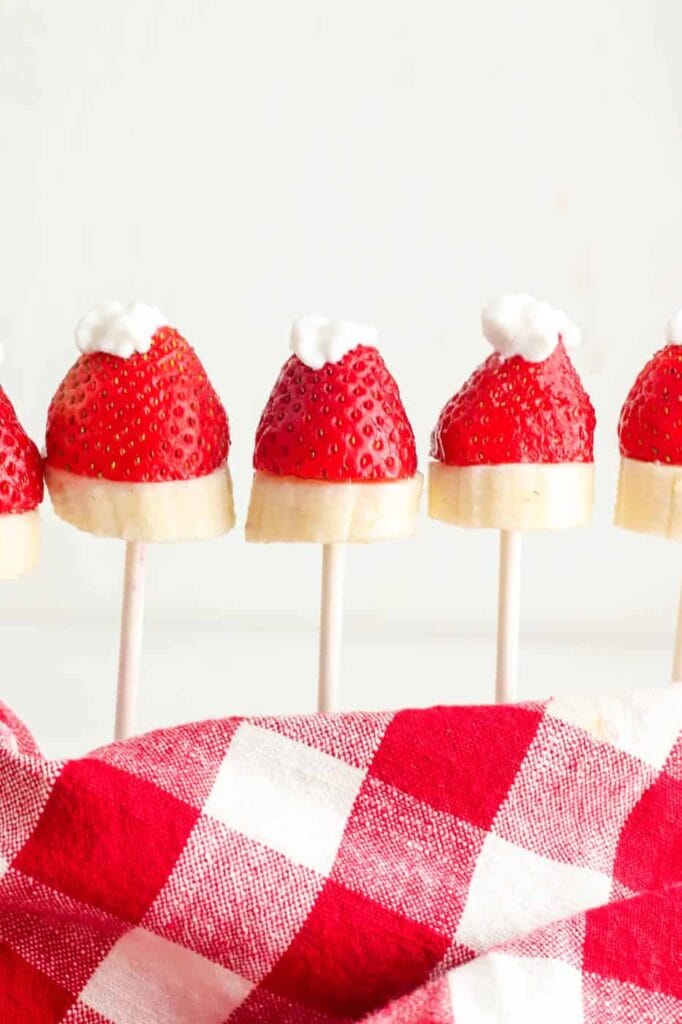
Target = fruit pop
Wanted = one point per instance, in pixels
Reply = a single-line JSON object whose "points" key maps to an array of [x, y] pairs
{"points": [[650, 439], [137, 444], [335, 463], [513, 449]]}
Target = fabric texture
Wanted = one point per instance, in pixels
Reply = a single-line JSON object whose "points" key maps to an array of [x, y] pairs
{"points": [[454, 865]]}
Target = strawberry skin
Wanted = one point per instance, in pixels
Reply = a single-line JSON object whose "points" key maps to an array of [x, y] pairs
{"points": [[344, 422], [21, 468], [512, 410], [650, 427], [153, 417]]}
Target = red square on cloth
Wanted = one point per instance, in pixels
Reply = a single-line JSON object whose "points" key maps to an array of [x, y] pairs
{"points": [[637, 941], [26, 995], [459, 760], [650, 848], [107, 838], [352, 955]]}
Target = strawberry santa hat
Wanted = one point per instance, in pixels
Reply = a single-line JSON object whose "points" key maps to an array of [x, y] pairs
{"points": [[137, 438], [335, 456], [513, 448], [21, 492], [650, 436]]}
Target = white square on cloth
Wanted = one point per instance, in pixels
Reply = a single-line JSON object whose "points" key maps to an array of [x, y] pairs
{"points": [[286, 795], [644, 724], [514, 891], [146, 978], [502, 989]]}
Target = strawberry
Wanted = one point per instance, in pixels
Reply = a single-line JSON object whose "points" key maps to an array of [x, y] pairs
{"points": [[344, 422], [21, 468], [650, 427], [151, 417], [512, 410]]}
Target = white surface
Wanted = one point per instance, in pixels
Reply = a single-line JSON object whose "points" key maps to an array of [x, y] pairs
{"points": [[317, 340], [518, 325], [237, 163], [60, 675], [119, 328]]}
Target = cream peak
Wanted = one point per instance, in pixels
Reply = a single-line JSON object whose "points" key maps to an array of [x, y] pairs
{"points": [[119, 328], [518, 325], [317, 340]]}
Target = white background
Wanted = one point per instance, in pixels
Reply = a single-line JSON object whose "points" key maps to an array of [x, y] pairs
{"points": [[389, 161]]}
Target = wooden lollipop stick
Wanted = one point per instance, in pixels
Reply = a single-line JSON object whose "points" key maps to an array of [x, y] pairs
{"points": [[331, 625], [508, 614], [130, 647], [677, 656]]}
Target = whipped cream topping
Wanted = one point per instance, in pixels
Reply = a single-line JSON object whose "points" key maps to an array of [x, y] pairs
{"points": [[317, 340], [518, 325], [119, 328], [673, 332]]}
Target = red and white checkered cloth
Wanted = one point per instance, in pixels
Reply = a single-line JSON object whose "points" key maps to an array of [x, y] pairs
{"points": [[473, 865]]}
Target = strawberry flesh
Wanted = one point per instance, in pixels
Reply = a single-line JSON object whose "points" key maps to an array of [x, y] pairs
{"points": [[650, 427], [153, 417], [344, 422], [512, 410], [21, 468]]}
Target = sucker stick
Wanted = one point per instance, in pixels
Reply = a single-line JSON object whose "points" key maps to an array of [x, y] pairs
{"points": [[130, 648], [331, 625], [508, 616]]}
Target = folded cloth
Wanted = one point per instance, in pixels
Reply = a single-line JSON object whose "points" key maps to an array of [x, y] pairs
{"points": [[473, 865]]}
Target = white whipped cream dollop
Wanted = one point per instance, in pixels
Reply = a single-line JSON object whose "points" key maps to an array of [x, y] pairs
{"points": [[518, 325], [673, 332], [119, 328], [317, 340]]}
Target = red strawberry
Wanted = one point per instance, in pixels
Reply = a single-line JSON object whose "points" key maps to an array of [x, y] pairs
{"points": [[21, 468], [650, 427], [512, 410], [344, 422], [152, 417]]}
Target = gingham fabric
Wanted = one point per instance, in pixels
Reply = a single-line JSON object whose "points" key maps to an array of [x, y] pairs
{"points": [[466, 865]]}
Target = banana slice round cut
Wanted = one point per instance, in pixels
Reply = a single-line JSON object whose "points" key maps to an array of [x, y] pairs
{"points": [[289, 509], [176, 510], [514, 496], [649, 498]]}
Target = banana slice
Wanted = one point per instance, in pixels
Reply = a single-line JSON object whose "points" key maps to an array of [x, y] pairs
{"points": [[285, 508], [194, 509], [518, 496], [650, 498], [19, 543]]}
